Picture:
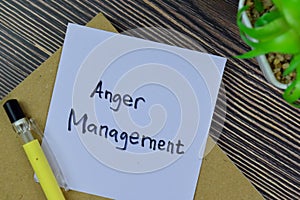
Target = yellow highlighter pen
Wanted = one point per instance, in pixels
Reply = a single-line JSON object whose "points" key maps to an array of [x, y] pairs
{"points": [[33, 151]]}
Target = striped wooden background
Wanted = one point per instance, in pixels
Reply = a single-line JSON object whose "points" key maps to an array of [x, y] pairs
{"points": [[261, 132]]}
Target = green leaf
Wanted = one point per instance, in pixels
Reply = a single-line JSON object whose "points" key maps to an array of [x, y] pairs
{"points": [[250, 54], [291, 13], [258, 5], [295, 63], [287, 43], [267, 18], [292, 93], [278, 3], [273, 29], [240, 12]]}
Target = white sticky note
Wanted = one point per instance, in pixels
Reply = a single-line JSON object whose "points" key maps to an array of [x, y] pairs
{"points": [[129, 118]]}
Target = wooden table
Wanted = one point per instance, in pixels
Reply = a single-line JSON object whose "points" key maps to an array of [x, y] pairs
{"points": [[260, 132]]}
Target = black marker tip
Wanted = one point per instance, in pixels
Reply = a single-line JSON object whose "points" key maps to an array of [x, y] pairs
{"points": [[13, 110]]}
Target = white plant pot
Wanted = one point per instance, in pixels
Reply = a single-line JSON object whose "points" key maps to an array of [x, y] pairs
{"points": [[262, 60]]}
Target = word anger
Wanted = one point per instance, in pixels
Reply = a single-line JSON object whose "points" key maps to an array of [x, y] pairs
{"points": [[116, 99]]}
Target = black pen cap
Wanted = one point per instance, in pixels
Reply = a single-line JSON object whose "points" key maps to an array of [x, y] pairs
{"points": [[13, 110]]}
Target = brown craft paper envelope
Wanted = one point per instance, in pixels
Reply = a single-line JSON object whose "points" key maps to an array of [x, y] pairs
{"points": [[219, 178]]}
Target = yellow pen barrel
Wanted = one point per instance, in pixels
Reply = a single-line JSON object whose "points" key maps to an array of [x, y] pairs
{"points": [[43, 170]]}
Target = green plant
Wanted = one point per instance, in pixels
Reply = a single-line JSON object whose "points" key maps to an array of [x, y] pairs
{"points": [[276, 31]]}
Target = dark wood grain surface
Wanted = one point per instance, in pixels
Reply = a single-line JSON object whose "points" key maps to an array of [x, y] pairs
{"points": [[261, 133]]}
